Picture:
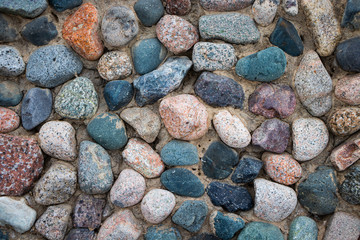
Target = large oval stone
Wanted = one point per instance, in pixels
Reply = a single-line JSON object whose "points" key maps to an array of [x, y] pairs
{"points": [[346, 54], [9, 120]]}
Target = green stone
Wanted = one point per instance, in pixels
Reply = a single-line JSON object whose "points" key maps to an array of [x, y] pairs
{"points": [[303, 228]]}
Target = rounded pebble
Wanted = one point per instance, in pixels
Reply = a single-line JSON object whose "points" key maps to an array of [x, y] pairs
{"points": [[9, 120], [179, 153], [346, 53], [118, 94], [264, 11], [114, 65], [191, 215], [39, 31], [149, 11], [11, 62], [10, 94]]}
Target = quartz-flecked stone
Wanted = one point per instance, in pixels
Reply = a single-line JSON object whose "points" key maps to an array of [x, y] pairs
{"points": [[9, 120], [191, 215], [11, 62], [225, 5], [39, 31], [179, 153], [160, 82], [264, 11], [247, 170], [291, 7], [230, 27], [57, 185], [114, 65], [178, 7], [350, 187], [347, 53], [343, 225], [345, 121], [303, 228], [88, 211], [21, 162], [149, 12], [118, 94], [347, 89], [260, 230], [225, 226], [10, 94], [351, 17], [24, 8]]}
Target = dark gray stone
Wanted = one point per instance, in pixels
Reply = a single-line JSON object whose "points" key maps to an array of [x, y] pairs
{"points": [[7, 32], [247, 169], [39, 31], [347, 54], [191, 215], [62, 5], [350, 188], [351, 17], [24, 8]]}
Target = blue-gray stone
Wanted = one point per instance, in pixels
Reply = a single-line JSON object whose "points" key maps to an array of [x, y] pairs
{"points": [[147, 55], [80, 234], [94, 169], [317, 193], [264, 66], [350, 188], [36, 107], [260, 231], [231, 198], [158, 83], [11, 62], [118, 94], [351, 17], [161, 232], [4, 235], [10, 94], [51, 66], [108, 130], [24, 8], [286, 37], [204, 236], [191, 215], [179, 153], [347, 54], [39, 31], [182, 182], [247, 169], [149, 11], [219, 161], [226, 226], [62, 5], [303, 228], [7, 32], [219, 91]]}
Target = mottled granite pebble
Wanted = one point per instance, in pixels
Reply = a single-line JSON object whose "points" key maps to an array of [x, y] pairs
{"points": [[81, 234], [149, 12], [291, 7], [225, 226], [118, 94], [273, 202], [260, 230], [157, 205], [162, 232], [350, 187], [8, 33], [351, 17], [303, 228], [247, 170], [88, 211], [345, 121], [10, 94], [191, 215], [347, 53], [230, 27], [11, 62], [140, 156], [225, 5], [21, 162], [39, 31], [178, 7], [347, 89], [62, 5], [343, 225], [9, 120], [264, 11], [24, 8], [179, 153], [114, 65]]}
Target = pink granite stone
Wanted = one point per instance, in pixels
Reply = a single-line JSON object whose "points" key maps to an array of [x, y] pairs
{"points": [[9, 120]]}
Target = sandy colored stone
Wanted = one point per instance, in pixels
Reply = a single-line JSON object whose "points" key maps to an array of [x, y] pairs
{"points": [[114, 65], [347, 89], [345, 121], [9, 120]]}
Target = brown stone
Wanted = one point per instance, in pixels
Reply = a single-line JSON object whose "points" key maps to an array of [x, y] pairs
{"points": [[345, 121], [178, 7], [347, 153]]}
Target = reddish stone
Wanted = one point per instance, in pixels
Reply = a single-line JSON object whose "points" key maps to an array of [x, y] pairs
{"points": [[21, 163], [178, 7], [347, 89], [80, 31], [270, 100], [177, 34], [9, 120], [87, 211]]}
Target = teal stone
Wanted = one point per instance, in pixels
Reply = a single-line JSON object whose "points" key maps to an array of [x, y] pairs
{"points": [[161, 232], [108, 130], [179, 153], [226, 226], [264, 66], [191, 215], [10, 94], [94, 169], [303, 228], [260, 231]]}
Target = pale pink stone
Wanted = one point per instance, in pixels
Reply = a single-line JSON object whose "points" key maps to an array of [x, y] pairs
{"points": [[9, 120]]}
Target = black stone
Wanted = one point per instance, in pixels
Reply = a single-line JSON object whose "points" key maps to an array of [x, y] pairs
{"points": [[247, 169], [204, 236], [39, 31], [347, 55], [62, 5], [350, 188], [7, 33], [80, 234]]}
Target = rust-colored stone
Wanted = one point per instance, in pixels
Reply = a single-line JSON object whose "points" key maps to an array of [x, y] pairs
{"points": [[347, 153]]}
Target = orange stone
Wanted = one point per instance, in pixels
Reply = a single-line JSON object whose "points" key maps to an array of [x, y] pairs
{"points": [[80, 31]]}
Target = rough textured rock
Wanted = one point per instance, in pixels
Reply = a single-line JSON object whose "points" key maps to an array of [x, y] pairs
{"points": [[162, 232], [260, 230], [88, 211], [62, 5], [291, 7], [346, 55], [25, 8], [191, 215], [118, 94], [343, 225], [178, 7], [347, 89], [11, 62], [350, 187], [247, 169], [345, 121], [227, 5], [9, 120], [179, 153], [149, 11], [303, 228], [114, 65], [10, 94], [264, 11], [225, 226], [39, 31]]}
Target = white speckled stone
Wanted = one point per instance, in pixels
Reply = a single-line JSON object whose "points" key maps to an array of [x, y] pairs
{"points": [[264, 11], [114, 65], [11, 62], [343, 226]]}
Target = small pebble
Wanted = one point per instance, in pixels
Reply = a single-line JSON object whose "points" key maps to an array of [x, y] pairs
{"points": [[179, 153], [230, 27], [225, 226], [273, 135], [345, 121], [273, 202], [157, 205], [57, 185], [177, 34], [39, 31], [161, 232], [282, 168], [272, 100], [87, 212], [17, 214], [264, 66], [81, 234], [317, 193], [8, 33], [80, 31], [303, 228], [178, 7], [11, 62], [184, 117], [182, 182], [118, 94], [350, 187], [260, 230], [191, 215], [9, 120], [213, 56], [225, 5], [347, 89], [343, 225], [149, 12], [114, 65], [286, 37], [264, 11], [51, 66], [10, 94], [231, 198], [77, 99], [219, 160], [146, 123], [57, 139], [310, 138], [346, 54], [247, 169], [351, 17], [62, 5], [36, 107], [160, 82], [94, 169], [24, 8], [120, 225], [291, 7], [219, 91], [128, 189], [21, 163], [147, 55], [140, 156], [119, 26], [52, 224], [108, 130]]}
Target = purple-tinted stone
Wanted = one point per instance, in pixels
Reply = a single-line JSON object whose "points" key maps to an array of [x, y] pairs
{"points": [[87, 211], [270, 100], [178, 7], [80, 234], [273, 135]]}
